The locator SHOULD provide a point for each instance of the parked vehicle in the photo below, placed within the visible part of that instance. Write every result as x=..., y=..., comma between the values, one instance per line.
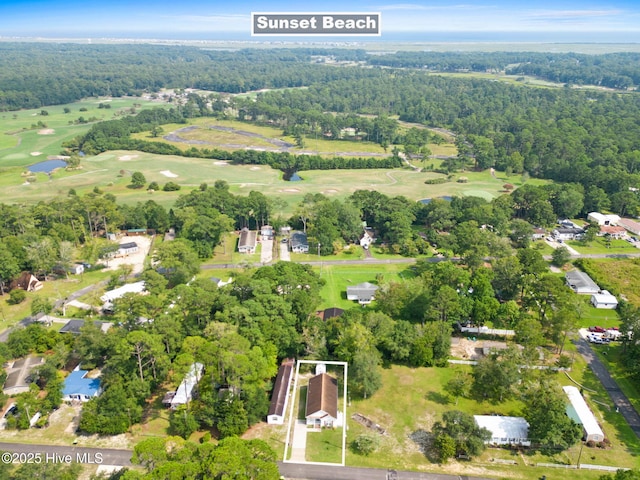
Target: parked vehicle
x=597, y=329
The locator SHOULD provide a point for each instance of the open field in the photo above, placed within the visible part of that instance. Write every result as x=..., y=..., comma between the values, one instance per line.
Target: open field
x=104, y=171
x=20, y=141
x=621, y=273
x=599, y=246
x=232, y=135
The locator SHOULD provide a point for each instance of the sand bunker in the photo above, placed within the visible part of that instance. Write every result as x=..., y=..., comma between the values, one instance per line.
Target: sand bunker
x=331, y=190
x=124, y=158
x=221, y=164
x=254, y=168
x=35, y=154
x=168, y=173
x=291, y=190
x=46, y=131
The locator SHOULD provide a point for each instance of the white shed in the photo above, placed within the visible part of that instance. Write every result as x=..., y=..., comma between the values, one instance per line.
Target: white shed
x=580, y=412
x=505, y=430
x=604, y=300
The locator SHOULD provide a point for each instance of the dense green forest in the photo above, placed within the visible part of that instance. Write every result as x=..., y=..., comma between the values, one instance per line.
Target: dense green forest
x=33, y=75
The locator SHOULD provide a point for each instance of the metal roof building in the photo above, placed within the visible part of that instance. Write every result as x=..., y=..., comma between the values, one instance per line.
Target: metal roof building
x=280, y=396
x=185, y=389
x=580, y=282
x=580, y=413
x=110, y=296
x=505, y=430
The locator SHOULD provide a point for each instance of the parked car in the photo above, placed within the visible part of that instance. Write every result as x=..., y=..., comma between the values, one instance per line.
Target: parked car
x=597, y=329
x=598, y=339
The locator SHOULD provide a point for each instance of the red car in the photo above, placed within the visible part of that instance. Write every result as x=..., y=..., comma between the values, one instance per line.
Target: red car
x=597, y=329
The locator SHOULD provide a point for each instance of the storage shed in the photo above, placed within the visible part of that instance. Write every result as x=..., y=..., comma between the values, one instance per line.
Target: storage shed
x=604, y=299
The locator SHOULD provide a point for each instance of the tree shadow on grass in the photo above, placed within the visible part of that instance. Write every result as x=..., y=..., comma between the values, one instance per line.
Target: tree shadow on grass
x=438, y=397
x=424, y=440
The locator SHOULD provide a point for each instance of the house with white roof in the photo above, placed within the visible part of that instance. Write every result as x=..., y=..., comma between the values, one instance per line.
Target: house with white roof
x=602, y=219
x=604, y=300
x=184, y=393
x=505, y=430
x=111, y=295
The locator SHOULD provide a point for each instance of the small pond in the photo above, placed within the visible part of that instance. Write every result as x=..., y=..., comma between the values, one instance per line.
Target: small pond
x=428, y=200
x=293, y=177
x=47, y=166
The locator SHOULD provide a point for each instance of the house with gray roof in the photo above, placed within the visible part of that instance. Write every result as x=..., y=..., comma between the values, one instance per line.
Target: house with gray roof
x=248, y=241
x=581, y=283
x=299, y=242
x=364, y=293
x=19, y=375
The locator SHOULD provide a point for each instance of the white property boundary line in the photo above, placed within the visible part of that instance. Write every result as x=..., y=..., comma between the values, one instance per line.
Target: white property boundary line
x=344, y=409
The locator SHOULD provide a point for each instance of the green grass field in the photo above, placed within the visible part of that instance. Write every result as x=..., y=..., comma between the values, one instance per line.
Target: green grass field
x=338, y=277
x=23, y=144
x=312, y=143
x=623, y=274
x=599, y=246
x=104, y=171
x=324, y=446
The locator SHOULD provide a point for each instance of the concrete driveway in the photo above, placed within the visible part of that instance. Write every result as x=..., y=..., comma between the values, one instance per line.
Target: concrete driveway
x=285, y=254
x=266, y=252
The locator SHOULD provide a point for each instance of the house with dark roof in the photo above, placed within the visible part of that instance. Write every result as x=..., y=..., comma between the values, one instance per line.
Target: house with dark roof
x=299, y=242
x=28, y=282
x=128, y=248
x=77, y=387
x=322, y=401
x=248, y=241
x=19, y=375
x=328, y=313
x=74, y=326
x=364, y=293
x=280, y=395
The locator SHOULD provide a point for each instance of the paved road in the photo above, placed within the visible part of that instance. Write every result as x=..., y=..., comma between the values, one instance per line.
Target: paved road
x=326, y=472
x=619, y=399
x=111, y=456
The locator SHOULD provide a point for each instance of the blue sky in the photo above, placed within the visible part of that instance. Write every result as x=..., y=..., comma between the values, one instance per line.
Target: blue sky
x=189, y=18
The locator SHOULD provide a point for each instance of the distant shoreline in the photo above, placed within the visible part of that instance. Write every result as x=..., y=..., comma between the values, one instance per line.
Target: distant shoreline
x=392, y=42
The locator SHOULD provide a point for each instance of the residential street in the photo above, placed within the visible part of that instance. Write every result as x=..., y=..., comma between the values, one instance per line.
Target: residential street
x=111, y=456
x=55, y=453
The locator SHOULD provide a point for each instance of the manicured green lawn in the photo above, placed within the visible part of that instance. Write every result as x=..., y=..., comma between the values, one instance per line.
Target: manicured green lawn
x=23, y=143
x=324, y=446
x=599, y=246
x=338, y=277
